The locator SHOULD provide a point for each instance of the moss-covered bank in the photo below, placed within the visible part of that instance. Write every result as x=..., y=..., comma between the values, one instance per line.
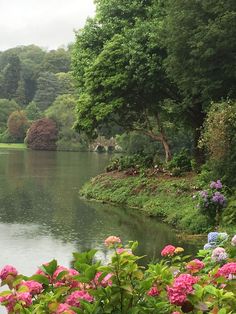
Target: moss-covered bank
x=163, y=196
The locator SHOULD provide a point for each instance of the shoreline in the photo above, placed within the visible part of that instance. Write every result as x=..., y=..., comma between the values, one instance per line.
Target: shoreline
x=168, y=198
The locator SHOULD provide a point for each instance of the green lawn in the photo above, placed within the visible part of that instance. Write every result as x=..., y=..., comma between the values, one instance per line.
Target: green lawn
x=13, y=146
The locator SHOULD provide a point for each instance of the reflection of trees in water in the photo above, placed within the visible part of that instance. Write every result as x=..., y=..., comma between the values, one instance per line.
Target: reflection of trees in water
x=42, y=188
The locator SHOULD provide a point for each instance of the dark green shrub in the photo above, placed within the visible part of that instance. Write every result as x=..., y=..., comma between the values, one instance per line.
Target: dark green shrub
x=219, y=139
x=126, y=162
x=180, y=162
x=5, y=137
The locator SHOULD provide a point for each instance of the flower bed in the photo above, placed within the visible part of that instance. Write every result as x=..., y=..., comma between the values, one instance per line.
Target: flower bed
x=176, y=284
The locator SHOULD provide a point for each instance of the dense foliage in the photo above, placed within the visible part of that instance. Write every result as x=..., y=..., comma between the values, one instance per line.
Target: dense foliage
x=42, y=135
x=17, y=125
x=219, y=139
x=31, y=79
x=150, y=65
x=176, y=284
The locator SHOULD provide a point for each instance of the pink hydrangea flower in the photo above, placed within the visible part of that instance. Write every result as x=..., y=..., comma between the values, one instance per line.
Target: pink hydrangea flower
x=168, y=250
x=175, y=312
x=195, y=265
x=106, y=281
x=121, y=250
x=75, y=297
x=228, y=271
x=219, y=254
x=153, y=292
x=64, y=308
x=33, y=286
x=24, y=298
x=70, y=272
x=8, y=270
x=112, y=240
x=182, y=286
x=9, y=301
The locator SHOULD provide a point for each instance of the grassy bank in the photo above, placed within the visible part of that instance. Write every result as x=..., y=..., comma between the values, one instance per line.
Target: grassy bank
x=166, y=197
x=161, y=195
x=13, y=145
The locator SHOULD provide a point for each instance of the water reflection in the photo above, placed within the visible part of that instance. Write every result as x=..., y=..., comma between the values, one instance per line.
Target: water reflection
x=42, y=216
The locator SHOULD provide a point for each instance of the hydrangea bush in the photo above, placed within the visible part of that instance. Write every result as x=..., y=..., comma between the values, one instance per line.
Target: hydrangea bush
x=176, y=284
x=212, y=201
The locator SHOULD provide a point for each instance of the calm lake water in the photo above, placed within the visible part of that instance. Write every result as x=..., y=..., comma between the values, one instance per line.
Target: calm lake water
x=42, y=216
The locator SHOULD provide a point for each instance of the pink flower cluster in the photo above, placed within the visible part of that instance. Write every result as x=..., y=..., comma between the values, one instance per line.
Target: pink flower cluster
x=106, y=281
x=33, y=287
x=219, y=254
x=153, y=292
x=195, y=265
x=121, y=250
x=8, y=270
x=10, y=300
x=228, y=271
x=182, y=286
x=64, y=308
x=66, y=278
x=168, y=250
x=112, y=240
x=75, y=297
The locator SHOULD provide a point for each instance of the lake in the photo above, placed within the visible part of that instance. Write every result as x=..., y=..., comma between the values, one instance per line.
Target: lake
x=42, y=216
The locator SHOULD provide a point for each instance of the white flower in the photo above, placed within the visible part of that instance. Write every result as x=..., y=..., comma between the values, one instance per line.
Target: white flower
x=233, y=241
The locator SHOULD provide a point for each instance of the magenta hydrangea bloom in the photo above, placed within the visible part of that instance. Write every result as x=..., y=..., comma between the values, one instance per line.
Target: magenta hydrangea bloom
x=33, y=286
x=8, y=270
x=153, y=292
x=9, y=301
x=75, y=297
x=228, y=271
x=168, y=250
x=106, y=281
x=64, y=308
x=182, y=286
x=24, y=298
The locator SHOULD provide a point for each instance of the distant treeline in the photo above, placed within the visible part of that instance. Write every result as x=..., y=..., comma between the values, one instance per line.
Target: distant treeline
x=34, y=84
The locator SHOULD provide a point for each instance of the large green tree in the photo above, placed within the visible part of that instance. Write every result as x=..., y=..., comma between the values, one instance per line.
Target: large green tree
x=11, y=77
x=63, y=113
x=200, y=40
x=47, y=90
x=56, y=61
x=124, y=80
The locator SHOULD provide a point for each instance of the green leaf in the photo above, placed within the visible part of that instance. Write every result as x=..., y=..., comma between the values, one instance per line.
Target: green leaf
x=40, y=278
x=50, y=268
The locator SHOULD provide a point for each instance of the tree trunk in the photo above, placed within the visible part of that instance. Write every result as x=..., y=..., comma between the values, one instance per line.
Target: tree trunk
x=166, y=148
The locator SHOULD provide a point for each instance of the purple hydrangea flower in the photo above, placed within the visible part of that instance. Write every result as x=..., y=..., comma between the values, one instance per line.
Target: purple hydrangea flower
x=218, y=198
x=216, y=185
x=204, y=194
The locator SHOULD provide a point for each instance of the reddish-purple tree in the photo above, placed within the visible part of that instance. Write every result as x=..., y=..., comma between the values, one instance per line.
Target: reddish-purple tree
x=42, y=135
